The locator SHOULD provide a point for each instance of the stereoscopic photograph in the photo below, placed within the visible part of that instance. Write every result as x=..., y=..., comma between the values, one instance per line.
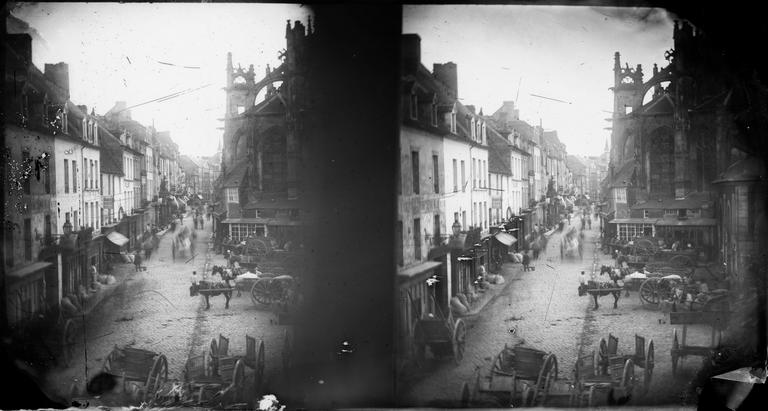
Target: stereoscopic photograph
x=266, y=206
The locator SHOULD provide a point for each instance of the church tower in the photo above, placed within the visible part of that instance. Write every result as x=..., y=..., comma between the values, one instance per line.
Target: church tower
x=627, y=97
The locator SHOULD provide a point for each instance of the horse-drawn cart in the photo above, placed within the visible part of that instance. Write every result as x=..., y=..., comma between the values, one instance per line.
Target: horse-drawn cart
x=618, y=378
x=272, y=290
x=643, y=357
x=145, y=371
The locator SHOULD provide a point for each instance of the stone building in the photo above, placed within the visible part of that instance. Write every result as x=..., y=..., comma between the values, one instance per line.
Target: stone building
x=260, y=188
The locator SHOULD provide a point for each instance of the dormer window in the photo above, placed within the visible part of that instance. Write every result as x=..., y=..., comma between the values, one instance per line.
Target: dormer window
x=64, y=122
x=85, y=129
x=483, y=133
x=414, y=106
x=95, y=133
x=453, y=121
x=472, y=128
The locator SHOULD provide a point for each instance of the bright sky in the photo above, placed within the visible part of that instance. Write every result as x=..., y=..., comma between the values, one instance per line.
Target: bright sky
x=114, y=53
x=560, y=52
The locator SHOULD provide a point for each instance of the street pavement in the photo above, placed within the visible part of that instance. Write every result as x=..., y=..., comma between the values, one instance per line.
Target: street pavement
x=152, y=310
x=542, y=308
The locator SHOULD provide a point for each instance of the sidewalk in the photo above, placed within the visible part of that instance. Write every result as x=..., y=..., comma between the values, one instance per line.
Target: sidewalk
x=507, y=271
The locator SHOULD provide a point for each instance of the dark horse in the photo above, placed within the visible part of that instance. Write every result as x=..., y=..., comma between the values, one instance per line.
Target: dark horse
x=598, y=289
x=214, y=288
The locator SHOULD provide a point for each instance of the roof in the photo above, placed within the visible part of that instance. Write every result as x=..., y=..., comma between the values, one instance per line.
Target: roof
x=662, y=104
x=111, y=153
x=407, y=274
x=633, y=221
x=274, y=204
x=574, y=164
x=280, y=221
x=687, y=222
x=234, y=177
x=274, y=104
x=189, y=165
x=691, y=202
x=748, y=169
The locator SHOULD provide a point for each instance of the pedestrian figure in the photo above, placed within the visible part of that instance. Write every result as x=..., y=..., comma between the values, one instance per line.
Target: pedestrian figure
x=589, y=223
x=137, y=260
x=526, y=261
x=174, y=245
x=581, y=251
x=536, y=249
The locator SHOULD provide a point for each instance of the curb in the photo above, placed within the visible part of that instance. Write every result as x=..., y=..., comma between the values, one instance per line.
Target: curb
x=498, y=291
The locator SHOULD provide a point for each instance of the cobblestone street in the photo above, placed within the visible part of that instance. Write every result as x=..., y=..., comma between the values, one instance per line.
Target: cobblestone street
x=152, y=310
x=542, y=307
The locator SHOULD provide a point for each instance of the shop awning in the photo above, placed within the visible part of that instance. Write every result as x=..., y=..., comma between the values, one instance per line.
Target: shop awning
x=28, y=270
x=689, y=222
x=633, y=221
x=408, y=273
x=117, y=238
x=506, y=239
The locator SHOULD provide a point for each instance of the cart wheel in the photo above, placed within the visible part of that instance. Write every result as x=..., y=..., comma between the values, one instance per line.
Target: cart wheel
x=258, y=375
x=602, y=357
x=286, y=351
x=459, y=339
x=645, y=247
x=675, y=351
x=238, y=376
x=528, y=396
x=213, y=357
x=649, y=362
x=465, y=395
x=628, y=378
x=649, y=292
x=156, y=378
x=68, y=342
x=261, y=292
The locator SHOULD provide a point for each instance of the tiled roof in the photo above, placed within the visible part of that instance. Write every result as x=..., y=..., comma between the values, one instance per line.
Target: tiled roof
x=111, y=152
x=660, y=105
x=690, y=202
x=499, y=153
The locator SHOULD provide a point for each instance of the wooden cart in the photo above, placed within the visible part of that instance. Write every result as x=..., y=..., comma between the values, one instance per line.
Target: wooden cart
x=643, y=357
x=209, y=387
x=136, y=366
x=273, y=290
x=218, y=354
x=444, y=337
x=518, y=376
x=717, y=320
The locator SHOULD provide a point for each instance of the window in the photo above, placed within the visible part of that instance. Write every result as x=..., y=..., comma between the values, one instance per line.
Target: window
x=98, y=215
x=414, y=106
x=25, y=162
x=90, y=176
x=474, y=214
x=417, y=239
x=474, y=173
x=463, y=177
x=27, y=239
x=66, y=176
x=436, y=173
x=415, y=171
x=74, y=176
x=455, y=177
x=669, y=212
x=453, y=121
x=64, y=122
x=455, y=217
x=399, y=242
x=463, y=220
x=471, y=126
x=436, y=228
x=101, y=184
x=85, y=129
x=232, y=196
x=646, y=214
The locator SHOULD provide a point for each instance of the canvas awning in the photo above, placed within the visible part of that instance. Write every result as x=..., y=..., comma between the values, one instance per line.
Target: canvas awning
x=409, y=273
x=690, y=222
x=117, y=238
x=28, y=270
x=506, y=239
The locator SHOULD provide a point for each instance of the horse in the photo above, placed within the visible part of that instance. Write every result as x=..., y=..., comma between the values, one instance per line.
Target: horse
x=597, y=289
x=214, y=288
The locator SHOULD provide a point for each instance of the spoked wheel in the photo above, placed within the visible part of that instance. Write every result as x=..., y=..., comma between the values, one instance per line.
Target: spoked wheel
x=542, y=391
x=675, y=351
x=465, y=395
x=645, y=247
x=213, y=356
x=68, y=342
x=528, y=396
x=156, y=378
x=648, y=369
x=262, y=292
x=287, y=351
x=258, y=375
x=459, y=339
x=628, y=379
x=238, y=378
x=602, y=357
x=649, y=292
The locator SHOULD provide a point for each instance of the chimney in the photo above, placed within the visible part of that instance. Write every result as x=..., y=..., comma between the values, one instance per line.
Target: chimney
x=411, y=46
x=447, y=74
x=58, y=74
x=21, y=44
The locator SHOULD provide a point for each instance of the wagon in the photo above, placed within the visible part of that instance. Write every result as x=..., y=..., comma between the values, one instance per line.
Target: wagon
x=643, y=357
x=137, y=366
x=210, y=387
x=445, y=337
x=716, y=320
x=218, y=356
x=518, y=376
